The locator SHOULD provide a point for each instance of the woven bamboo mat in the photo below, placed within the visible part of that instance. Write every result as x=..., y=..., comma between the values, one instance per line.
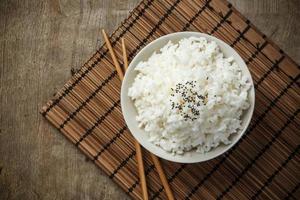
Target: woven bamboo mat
x=262, y=165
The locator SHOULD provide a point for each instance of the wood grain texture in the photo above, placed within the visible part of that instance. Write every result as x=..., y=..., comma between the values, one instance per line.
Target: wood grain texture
x=41, y=41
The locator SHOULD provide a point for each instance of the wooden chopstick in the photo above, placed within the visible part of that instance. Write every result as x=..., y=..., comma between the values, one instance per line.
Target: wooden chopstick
x=125, y=59
x=139, y=158
x=155, y=160
x=162, y=176
x=138, y=150
x=113, y=55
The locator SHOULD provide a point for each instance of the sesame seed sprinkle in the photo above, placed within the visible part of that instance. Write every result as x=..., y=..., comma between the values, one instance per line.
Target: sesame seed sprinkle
x=187, y=101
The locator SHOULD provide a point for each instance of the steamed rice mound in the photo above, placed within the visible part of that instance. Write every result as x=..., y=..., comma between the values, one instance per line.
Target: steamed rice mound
x=189, y=96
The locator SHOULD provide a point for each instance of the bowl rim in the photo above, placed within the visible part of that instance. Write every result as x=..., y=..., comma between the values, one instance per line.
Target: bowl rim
x=172, y=158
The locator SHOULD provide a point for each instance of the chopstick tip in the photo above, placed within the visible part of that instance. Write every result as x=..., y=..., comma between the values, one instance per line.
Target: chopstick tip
x=103, y=32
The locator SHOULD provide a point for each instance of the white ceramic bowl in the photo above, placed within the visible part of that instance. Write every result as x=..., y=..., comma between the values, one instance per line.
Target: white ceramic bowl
x=129, y=110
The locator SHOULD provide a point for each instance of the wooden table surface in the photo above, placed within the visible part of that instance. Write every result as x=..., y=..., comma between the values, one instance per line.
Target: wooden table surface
x=41, y=41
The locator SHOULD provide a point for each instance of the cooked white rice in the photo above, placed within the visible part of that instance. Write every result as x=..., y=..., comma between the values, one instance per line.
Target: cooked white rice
x=188, y=95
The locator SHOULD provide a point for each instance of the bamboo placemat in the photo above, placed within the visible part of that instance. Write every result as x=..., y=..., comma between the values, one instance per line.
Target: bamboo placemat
x=264, y=164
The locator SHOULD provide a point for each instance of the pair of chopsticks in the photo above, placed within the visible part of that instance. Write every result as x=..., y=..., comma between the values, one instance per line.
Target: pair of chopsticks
x=138, y=148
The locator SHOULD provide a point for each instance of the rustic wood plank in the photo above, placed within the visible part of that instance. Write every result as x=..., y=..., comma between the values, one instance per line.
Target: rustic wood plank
x=41, y=41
